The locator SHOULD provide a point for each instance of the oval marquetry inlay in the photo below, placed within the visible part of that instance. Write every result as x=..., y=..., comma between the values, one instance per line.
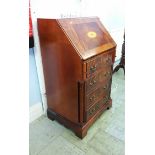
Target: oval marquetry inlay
x=91, y=34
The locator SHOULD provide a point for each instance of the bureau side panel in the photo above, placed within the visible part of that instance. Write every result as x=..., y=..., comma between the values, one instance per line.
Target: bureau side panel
x=62, y=69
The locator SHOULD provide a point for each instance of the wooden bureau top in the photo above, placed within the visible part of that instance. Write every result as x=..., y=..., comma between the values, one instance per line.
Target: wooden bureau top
x=87, y=35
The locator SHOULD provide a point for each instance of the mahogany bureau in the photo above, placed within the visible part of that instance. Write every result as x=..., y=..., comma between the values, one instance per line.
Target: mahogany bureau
x=77, y=56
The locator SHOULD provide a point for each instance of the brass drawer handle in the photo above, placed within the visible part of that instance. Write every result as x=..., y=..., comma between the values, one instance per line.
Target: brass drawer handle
x=93, y=98
x=108, y=60
x=105, y=87
x=93, y=110
x=105, y=99
x=92, y=83
x=107, y=73
x=98, y=105
x=93, y=68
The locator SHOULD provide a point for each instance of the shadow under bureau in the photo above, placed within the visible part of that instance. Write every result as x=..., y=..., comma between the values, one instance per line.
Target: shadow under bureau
x=77, y=56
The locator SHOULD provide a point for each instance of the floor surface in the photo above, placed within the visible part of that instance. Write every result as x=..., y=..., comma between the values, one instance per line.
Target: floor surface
x=104, y=137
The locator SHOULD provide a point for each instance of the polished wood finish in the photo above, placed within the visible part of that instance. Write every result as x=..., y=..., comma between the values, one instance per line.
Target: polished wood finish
x=77, y=56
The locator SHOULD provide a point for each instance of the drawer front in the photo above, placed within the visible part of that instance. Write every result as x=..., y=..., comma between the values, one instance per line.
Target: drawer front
x=98, y=63
x=98, y=79
x=94, y=109
x=95, y=96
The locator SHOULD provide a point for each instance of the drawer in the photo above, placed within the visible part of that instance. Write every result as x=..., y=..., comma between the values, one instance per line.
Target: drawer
x=98, y=79
x=95, y=108
x=95, y=96
x=98, y=63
